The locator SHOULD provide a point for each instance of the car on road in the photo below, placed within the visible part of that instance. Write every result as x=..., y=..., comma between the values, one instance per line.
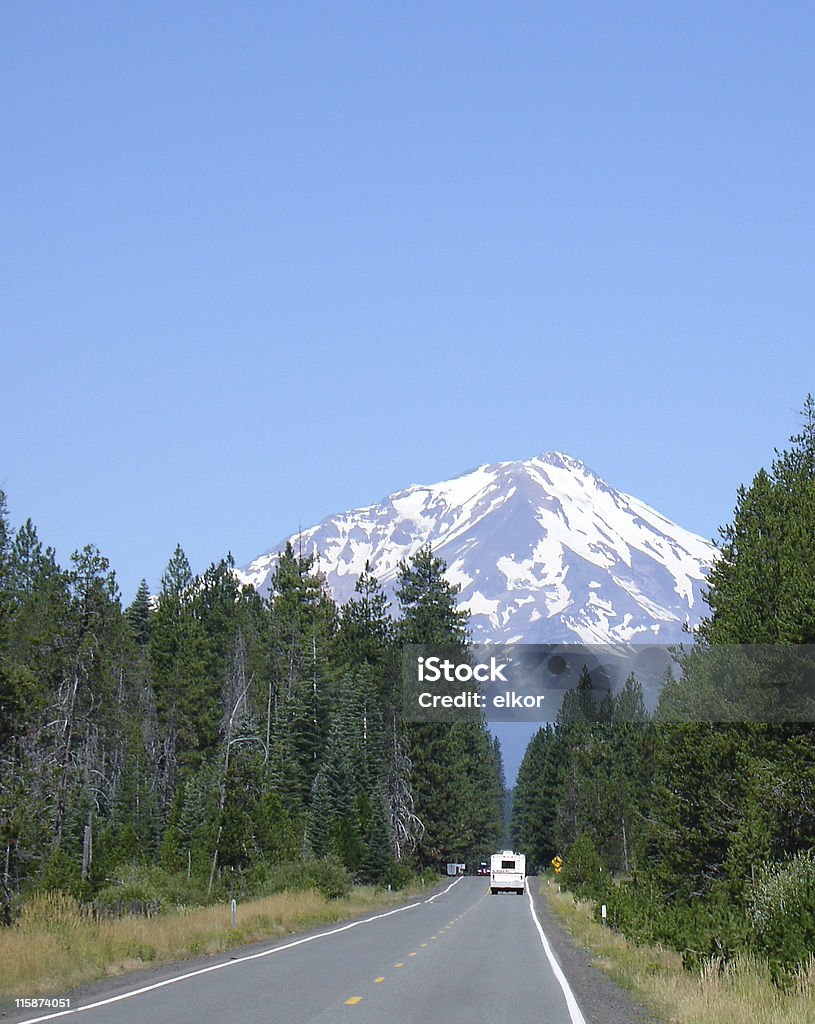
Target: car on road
x=483, y=868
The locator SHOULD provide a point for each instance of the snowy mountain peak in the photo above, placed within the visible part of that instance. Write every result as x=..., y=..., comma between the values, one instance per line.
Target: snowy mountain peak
x=544, y=551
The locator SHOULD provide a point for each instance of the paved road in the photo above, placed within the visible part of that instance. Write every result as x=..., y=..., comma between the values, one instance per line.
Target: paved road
x=460, y=957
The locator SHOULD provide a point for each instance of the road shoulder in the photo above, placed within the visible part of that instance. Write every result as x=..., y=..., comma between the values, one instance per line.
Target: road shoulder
x=151, y=974
x=601, y=1000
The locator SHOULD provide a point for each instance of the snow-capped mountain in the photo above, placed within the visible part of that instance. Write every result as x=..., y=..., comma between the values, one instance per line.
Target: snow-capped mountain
x=544, y=550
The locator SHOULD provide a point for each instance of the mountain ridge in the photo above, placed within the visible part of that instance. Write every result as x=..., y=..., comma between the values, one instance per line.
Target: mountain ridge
x=544, y=551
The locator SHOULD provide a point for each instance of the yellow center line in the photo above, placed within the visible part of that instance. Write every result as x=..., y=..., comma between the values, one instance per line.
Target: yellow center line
x=411, y=954
x=353, y=1000
x=378, y=981
x=400, y=964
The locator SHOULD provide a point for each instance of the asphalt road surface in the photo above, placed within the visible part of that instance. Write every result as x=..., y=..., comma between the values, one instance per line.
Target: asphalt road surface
x=461, y=956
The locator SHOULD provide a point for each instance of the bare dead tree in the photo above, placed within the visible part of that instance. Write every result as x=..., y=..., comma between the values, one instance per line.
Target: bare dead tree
x=236, y=690
x=67, y=708
x=407, y=828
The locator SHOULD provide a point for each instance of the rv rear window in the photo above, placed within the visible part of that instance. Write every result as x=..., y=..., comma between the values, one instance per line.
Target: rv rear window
x=508, y=864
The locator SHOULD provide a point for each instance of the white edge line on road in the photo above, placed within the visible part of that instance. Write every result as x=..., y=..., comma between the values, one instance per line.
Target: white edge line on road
x=449, y=887
x=571, y=1002
x=218, y=967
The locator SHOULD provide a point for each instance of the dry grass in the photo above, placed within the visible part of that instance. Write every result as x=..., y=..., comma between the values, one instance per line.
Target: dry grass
x=740, y=992
x=54, y=949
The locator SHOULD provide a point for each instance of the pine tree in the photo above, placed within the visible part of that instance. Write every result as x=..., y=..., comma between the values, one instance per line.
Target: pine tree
x=8, y=707
x=377, y=860
x=274, y=829
x=482, y=794
x=195, y=833
x=332, y=814
x=366, y=631
x=302, y=626
x=35, y=661
x=88, y=693
x=454, y=776
x=762, y=587
x=39, y=602
x=711, y=778
x=631, y=737
x=187, y=709
x=428, y=603
x=138, y=615
x=534, y=803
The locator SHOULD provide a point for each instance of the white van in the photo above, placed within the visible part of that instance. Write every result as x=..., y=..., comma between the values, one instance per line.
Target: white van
x=507, y=872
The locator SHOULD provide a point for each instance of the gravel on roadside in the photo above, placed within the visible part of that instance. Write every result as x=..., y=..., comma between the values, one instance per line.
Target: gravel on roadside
x=600, y=999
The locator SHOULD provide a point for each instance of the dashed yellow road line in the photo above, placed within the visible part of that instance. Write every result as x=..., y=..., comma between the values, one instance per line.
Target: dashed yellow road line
x=400, y=964
x=423, y=945
x=378, y=981
x=411, y=954
x=353, y=1000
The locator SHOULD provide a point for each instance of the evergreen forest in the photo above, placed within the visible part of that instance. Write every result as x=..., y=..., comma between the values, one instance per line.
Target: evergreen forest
x=697, y=830
x=223, y=742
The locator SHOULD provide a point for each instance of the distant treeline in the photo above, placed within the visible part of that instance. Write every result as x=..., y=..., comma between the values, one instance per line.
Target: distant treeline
x=709, y=824
x=218, y=736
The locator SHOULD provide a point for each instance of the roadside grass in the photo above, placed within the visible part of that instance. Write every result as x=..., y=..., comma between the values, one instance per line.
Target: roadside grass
x=740, y=992
x=54, y=949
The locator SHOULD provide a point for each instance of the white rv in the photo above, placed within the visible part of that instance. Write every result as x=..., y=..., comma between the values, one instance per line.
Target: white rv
x=507, y=872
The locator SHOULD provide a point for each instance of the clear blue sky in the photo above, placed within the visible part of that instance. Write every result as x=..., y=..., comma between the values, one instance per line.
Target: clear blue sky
x=263, y=262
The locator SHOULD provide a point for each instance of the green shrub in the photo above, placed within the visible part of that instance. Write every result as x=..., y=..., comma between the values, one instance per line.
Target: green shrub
x=399, y=876
x=782, y=911
x=328, y=875
x=699, y=928
x=583, y=870
x=631, y=909
x=134, y=882
x=61, y=873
